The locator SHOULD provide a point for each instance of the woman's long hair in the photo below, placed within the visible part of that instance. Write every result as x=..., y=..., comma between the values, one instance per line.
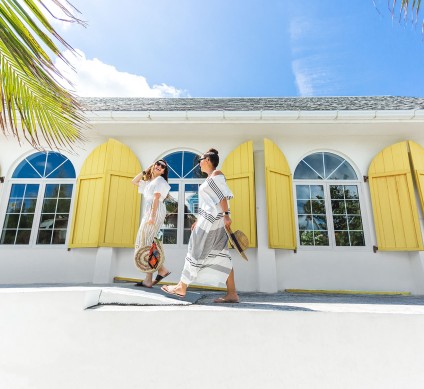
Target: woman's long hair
x=149, y=171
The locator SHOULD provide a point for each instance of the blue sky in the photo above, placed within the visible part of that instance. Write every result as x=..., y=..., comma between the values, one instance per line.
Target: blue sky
x=245, y=48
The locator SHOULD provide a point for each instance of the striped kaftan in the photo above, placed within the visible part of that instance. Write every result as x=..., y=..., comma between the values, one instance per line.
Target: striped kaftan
x=147, y=232
x=208, y=259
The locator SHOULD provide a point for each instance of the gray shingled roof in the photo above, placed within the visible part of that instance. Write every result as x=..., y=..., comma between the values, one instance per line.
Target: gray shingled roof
x=355, y=103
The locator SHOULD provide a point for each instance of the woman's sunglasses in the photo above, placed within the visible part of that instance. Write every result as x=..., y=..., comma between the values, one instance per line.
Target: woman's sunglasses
x=161, y=164
x=201, y=159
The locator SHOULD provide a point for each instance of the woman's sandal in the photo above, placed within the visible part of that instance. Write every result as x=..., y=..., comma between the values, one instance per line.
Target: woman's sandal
x=166, y=289
x=159, y=278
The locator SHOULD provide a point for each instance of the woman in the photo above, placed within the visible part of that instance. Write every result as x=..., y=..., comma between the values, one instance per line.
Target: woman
x=153, y=183
x=208, y=259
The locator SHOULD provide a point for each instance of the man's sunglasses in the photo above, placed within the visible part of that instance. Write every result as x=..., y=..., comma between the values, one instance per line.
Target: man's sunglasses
x=161, y=164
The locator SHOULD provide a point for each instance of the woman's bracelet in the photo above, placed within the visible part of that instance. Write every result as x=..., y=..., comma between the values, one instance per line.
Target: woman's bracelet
x=227, y=213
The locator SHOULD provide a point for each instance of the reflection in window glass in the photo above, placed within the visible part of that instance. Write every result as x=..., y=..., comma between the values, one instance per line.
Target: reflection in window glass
x=53, y=201
x=170, y=225
x=182, y=203
x=324, y=166
x=347, y=220
x=317, y=204
x=19, y=214
x=191, y=206
x=55, y=214
x=312, y=219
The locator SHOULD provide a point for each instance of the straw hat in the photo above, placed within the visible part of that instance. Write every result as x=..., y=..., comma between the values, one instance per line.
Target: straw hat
x=149, y=258
x=239, y=241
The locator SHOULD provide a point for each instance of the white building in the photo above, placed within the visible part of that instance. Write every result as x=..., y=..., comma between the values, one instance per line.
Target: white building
x=329, y=191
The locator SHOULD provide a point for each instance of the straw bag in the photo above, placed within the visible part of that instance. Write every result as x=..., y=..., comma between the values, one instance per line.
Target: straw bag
x=150, y=258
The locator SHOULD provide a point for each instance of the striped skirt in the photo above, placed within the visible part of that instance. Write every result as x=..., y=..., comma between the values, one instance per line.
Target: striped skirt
x=208, y=259
x=147, y=232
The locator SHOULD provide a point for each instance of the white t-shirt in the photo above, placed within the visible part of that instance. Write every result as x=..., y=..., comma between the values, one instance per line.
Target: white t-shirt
x=157, y=185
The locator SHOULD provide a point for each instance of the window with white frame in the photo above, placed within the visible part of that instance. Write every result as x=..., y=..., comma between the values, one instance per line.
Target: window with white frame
x=328, y=202
x=39, y=202
x=182, y=203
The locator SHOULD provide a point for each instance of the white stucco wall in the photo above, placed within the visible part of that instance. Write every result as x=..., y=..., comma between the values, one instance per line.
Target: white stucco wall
x=267, y=270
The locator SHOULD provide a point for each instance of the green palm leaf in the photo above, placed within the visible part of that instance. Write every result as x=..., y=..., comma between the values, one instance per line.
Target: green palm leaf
x=34, y=106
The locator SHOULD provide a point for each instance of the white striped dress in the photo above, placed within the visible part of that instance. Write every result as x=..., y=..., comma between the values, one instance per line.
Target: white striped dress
x=147, y=232
x=208, y=259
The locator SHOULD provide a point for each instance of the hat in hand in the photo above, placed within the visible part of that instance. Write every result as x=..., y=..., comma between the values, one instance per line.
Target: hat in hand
x=239, y=241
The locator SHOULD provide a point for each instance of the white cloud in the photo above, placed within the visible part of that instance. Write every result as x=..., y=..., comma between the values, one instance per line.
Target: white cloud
x=93, y=78
x=315, y=57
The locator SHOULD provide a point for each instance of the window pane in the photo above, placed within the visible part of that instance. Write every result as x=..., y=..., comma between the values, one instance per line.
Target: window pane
x=320, y=222
x=338, y=207
x=59, y=237
x=305, y=222
x=304, y=172
x=351, y=192
x=47, y=221
x=63, y=205
x=337, y=191
x=22, y=237
x=318, y=207
x=357, y=238
x=20, y=213
x=316, y=162
x=26, y=220
x=342, y=238
x=302, y=192
x=175, y=164
x=321, y=238
x=53, y=161
x=304, y=206
x=355, y=223
x=171, y=220
x=52, y=191
x=317, y=192
x=38, y=161
x=14, y=205
x=64, y=171
x=340, y=222
x=190, y=163
x=61, y=221
x=44, y=236
x=332, y=162
x=29, y=205
x=8, y=237
x=352, y=207
x=306, y=238
x=170, y=236
x=31, y=191
x=189, y=220
x=344, y=172
x=17, y=190
x=11, y=220
x=65, y=190
x=49, y=206
x=171, y=202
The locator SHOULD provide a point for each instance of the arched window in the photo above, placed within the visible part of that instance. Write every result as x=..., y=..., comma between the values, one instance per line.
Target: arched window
x=185, y=178
x=39, y=202
x=328, y=202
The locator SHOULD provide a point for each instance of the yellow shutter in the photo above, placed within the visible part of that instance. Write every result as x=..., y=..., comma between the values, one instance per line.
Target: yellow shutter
x=393, y=200
x=279, y=196
x=239, y=171
x=417, y=159
x=107, y=205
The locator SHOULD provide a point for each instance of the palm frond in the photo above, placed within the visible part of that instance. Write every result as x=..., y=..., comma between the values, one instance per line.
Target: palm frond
x=33, y=102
